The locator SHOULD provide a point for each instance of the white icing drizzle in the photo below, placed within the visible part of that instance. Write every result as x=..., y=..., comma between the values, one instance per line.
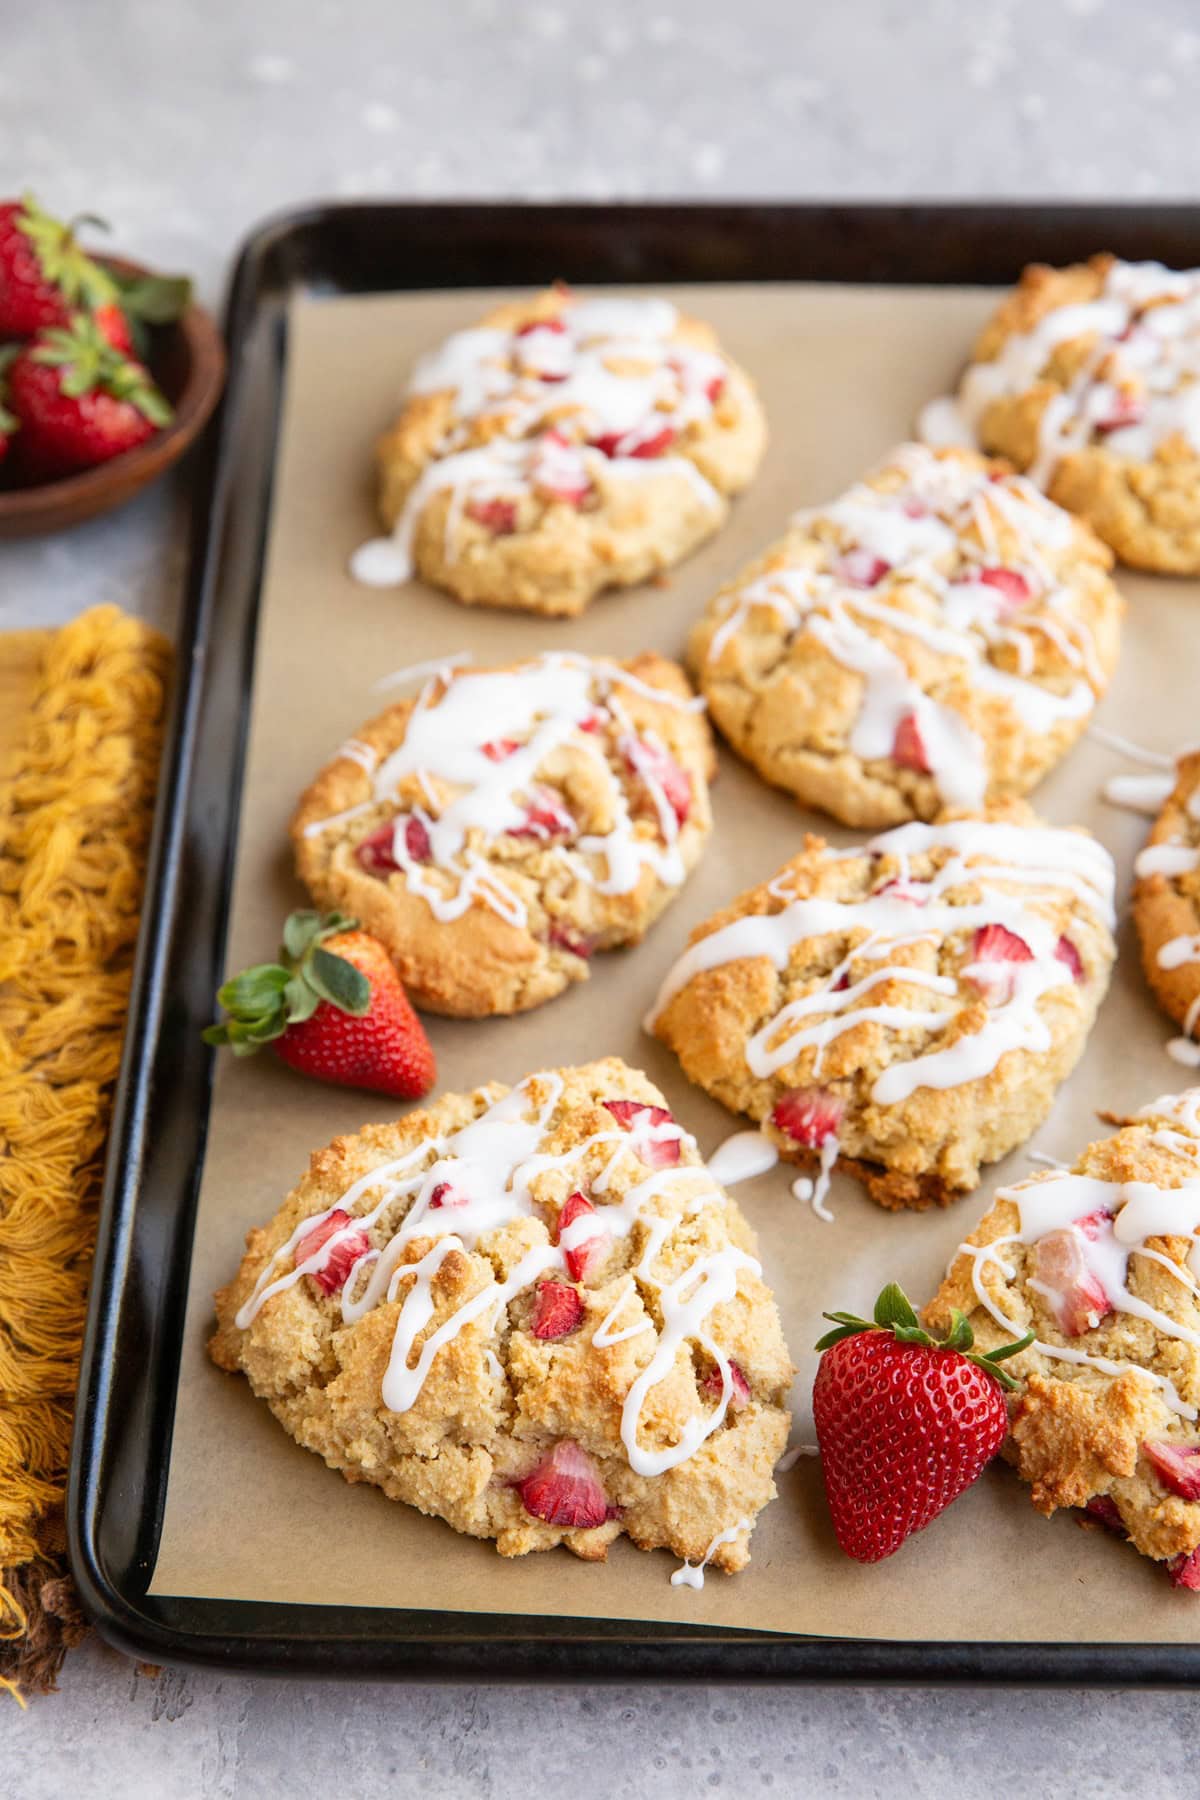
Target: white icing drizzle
x=522, y=716
x=434, y=665
x=1042, y=860
x=791, y=1457
x=1146, y=794
x=595, y=397
x=1055, y=1202
x=490, y=1166
x=692, y=1574
x=917, y=532
x=742, y=1157
x=813, y=1189
x=1139, y=383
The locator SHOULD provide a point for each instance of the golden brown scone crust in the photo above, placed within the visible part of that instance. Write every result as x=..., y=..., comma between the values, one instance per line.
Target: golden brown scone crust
x=481, y=963
x=778, y=691
x=1147, y=510
x=925, y=1150
x=1166, y=907
x=554, y=555
x=497, y=1397
x=1077, y=1432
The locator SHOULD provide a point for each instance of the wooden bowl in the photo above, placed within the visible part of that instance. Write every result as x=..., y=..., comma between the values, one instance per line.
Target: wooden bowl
x=187, y=360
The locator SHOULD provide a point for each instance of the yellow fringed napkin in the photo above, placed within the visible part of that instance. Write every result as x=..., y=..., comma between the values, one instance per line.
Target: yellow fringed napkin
x=76, y=804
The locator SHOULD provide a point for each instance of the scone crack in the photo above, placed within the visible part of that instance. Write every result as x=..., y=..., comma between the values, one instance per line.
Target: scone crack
x=564, y=800
x=546, y=1277
x=1102, y=1262
x=941, y=628
x=909, y=1005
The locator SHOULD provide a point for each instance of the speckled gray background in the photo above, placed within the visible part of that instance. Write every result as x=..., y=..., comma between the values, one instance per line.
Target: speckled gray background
x=184, y=124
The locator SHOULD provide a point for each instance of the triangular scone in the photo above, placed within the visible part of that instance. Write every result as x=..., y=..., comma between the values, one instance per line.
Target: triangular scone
x=1100, y=1262
x=1166, y=906
x=529, y=1311
x=506, y=824
x=907, y=1008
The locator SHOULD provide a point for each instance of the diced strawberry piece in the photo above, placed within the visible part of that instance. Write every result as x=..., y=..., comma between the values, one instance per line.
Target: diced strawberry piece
x=496, y=516
x=416, y=840
x=443, y=1195
x=1080, y=1302
x=615, y=443
x=916, y=893
x=861, y=568
x=712, y=1387
x=810, y=1116
x=1093, y=1223
x=1177, y=1466
x=996, y=943
x=656, y=765
x=341, y=1259
x=1066, y=952
x=593, y=722
x=566, y=939
x=581, y=1257
x=545, y=817
x=636, y=1116
x=499, y=749
x=915, y=509
x=908, y=746
x=715, y=388
x=1104, y=1508
x=558, y=471
x=1126, y=409
x=565, y=1489
x=1011, y=586
x=557, y=1310
x=842, y=982
x=377, y=853
x=1184, y=1570
x=540, y=325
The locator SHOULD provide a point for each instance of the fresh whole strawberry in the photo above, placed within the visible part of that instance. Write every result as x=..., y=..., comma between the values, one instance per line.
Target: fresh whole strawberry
x=905, y=1422
x=333, y=1007
x=45, y=278
x=79, y=401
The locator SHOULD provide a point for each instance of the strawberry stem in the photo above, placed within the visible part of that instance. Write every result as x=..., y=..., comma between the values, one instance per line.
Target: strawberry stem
x=261, y=1002
x=895, y=1312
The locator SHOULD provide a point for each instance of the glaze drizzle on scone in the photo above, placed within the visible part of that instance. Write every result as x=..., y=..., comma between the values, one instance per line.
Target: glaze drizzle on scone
x=1101, y=1262
x=939, y=635
x=1166, y=907
x=1088, y=377
x=506, y=824
x=563, y=446
x=906, y=1009
x=529, y=1311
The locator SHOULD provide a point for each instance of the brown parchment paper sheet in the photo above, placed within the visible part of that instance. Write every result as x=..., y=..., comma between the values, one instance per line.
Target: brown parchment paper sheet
x=250, y=1515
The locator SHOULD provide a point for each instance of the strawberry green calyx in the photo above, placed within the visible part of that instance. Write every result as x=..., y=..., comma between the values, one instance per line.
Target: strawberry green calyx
x=90, y=364
x=264, y=1000
x=894, y=1313
x=9, y=421
x=81, y=281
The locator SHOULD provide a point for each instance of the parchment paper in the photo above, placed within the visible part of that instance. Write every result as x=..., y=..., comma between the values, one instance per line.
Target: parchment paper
x=249, y=1514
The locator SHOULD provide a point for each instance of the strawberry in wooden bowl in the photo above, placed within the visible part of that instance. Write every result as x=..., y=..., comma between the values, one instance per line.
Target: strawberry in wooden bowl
x=107, y=374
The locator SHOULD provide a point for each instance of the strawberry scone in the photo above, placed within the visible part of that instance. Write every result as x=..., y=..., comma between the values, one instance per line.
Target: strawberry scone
x=1101, y=1263
x=938, y=635
x=905, y=1010
x=504, y=825
x=562, y=446
x=1088, y=378
x=1166, y=907
x=530, y=1312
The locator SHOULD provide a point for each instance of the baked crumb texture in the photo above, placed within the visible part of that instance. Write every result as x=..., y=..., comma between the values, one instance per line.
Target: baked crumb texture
x=1100, y=1263
x=1088, y=378
x=562, y=446
x=1166, y=908
x=529, y=1312
x=938, y=635
x=906, y=1009
x=502, y=827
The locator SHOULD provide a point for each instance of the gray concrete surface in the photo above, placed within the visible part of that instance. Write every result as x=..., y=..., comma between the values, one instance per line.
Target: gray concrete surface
x=186, y=122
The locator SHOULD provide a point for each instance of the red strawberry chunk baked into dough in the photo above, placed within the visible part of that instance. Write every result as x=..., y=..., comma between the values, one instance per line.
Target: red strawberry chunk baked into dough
x=507, y=824
x=938, y=635
x=1100, y=1263
x=575, y=1343
x=904, y=1010
x=562, y=446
